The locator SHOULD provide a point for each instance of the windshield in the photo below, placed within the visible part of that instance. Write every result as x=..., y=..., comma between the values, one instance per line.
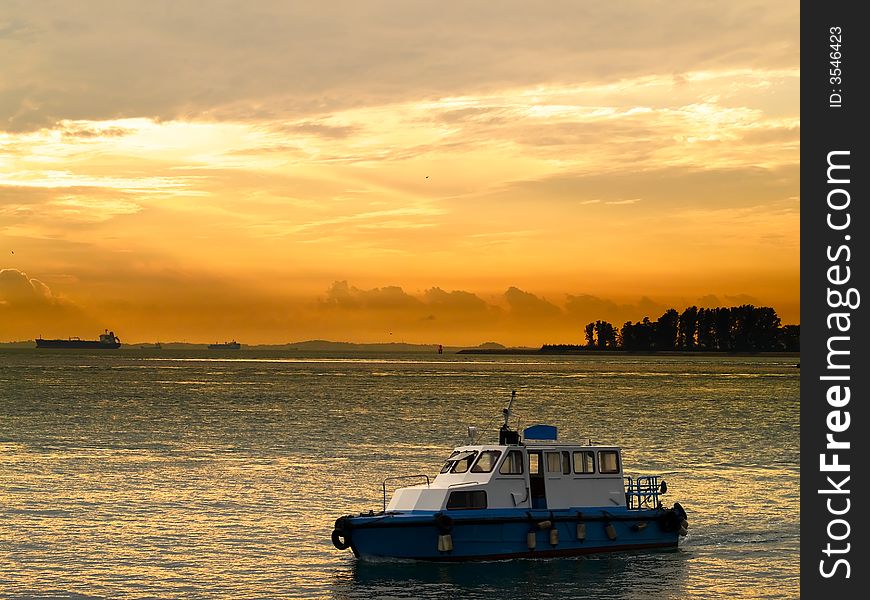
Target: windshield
x=459, y=462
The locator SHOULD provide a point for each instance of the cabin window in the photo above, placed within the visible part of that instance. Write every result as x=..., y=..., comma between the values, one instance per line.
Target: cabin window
x=554, y=462
x=463, y=462
x=466, y=500
x=535, y=466
x=513, y=463
x=449, y=462
x=486, y=462
x=566, y=463
x=584, y=462
x=608, y=461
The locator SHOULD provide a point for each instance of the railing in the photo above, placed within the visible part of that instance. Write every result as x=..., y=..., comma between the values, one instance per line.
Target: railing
x=397, y=477
x=644, y=491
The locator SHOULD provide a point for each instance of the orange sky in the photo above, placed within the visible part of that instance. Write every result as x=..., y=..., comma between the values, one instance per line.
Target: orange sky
x=389, y=171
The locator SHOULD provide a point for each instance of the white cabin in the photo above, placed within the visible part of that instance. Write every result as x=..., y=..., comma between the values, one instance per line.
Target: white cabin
x=541, y=475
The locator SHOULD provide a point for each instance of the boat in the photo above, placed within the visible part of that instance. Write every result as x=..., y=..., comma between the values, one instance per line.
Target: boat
x=525, y=497
x=234, y=345
x=156, y=346
x=107, y=341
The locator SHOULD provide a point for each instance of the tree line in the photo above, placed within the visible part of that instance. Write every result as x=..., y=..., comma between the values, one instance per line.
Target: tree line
x=745, y=328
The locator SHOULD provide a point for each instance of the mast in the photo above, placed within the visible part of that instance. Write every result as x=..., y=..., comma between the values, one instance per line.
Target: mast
x=507, y=411
x=506, y=435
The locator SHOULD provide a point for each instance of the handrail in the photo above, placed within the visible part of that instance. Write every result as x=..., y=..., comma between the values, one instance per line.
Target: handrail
x=643, y=491
x=395, y=477
x=452, y=485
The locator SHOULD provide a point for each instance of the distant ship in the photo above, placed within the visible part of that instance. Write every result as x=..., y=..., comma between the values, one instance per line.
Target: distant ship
x=157, y=346
x=107, y=341
x=234, y=345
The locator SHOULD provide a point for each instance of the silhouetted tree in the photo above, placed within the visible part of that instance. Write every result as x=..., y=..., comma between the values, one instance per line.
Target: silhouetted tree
x=666, y=330
x=590, y=334
x=687, y=328
x=722, y=329
x=744, y=328
x=706, y=337
x=603, y=334
x=627, y=336
x=790, y=338
x=765, y=335
x=742, y=319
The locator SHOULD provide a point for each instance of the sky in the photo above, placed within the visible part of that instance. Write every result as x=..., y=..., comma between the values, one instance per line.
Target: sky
x=392, y=170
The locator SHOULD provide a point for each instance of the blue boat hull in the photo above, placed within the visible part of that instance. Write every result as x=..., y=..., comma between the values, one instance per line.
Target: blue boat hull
x=493, y=534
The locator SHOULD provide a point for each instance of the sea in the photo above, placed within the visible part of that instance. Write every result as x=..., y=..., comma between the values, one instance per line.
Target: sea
x=219, y=474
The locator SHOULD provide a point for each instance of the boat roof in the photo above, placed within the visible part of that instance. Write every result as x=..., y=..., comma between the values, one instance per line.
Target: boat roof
x=535, y=445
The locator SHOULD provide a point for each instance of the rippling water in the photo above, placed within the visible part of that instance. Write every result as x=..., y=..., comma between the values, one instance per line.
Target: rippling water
x=143, y=474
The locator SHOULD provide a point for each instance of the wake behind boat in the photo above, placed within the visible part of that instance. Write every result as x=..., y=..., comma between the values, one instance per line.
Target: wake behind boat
x=530, y=497
x=108, y=340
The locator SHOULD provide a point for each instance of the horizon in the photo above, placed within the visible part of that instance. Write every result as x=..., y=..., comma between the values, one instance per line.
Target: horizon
x=366, y=172
x=384, y=342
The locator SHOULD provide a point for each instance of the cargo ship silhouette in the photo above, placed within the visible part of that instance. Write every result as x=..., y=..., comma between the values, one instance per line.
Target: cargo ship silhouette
x=234, y=345
x=107, y=341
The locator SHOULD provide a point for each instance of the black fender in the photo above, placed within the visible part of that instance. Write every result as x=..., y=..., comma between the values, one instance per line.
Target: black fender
x=444, y=523
x=341, y=533
x=669, y=521
x=340, y=539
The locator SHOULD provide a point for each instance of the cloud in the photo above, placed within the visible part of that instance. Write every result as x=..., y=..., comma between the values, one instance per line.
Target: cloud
x=15, y=29
x=484, y=148
x=433, y=303
x=740, y=299
x=279, y=59
x=83, y=131
x=455, y=300
x=661, y=189
x=527, y=305
x=150, y=304
x=28, y=307
x=585, y=308
x=344, y=296
x=64, y=208
x=709, y=301
x=318, y=129
x=650, y=308
x=17, y=289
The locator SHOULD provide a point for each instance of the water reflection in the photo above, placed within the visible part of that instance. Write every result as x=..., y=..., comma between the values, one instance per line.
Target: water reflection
x=119, y=481
x=660, y=574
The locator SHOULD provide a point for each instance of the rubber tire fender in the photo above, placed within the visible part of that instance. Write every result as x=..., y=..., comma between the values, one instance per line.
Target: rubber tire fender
x=340, y=539
x=444, y=523
x=670, y=521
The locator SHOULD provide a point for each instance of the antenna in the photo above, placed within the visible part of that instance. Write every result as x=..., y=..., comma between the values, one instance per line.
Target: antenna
x=472, y=434
x=507, y=436
x=507, y=411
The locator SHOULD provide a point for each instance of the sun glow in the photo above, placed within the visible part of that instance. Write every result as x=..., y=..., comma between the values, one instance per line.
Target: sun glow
x=673, y=183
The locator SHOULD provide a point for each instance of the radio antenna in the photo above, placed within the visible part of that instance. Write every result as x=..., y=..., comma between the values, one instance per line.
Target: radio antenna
x=507, y=411
x=507, y=436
